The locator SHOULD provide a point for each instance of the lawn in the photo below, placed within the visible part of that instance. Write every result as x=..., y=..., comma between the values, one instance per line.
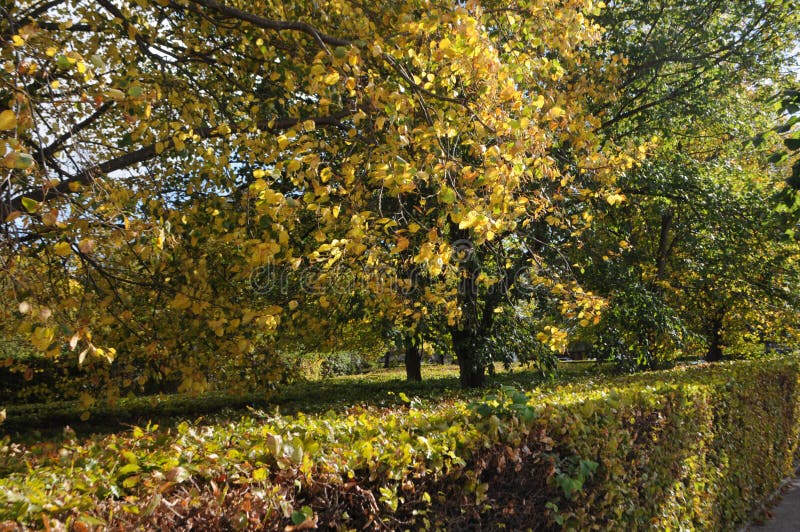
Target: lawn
x=380, y=387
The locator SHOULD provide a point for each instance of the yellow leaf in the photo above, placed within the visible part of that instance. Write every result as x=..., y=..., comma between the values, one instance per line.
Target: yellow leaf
x=30, y=205
x=18, y=41
x=445, y=44
x=180, y=302
x=115, y=94
x=332, y=78
x=42, y=337
x=62, y=249
x=309, y=125
x=260, y=474
x=8, y=120
x=273, y=310
x=402, y=244
x=614, y=199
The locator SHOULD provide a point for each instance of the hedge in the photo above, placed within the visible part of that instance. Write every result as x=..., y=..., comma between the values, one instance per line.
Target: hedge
x=692, y=448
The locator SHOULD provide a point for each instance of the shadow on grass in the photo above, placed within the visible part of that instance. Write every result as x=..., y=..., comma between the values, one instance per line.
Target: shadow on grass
x=381, y=389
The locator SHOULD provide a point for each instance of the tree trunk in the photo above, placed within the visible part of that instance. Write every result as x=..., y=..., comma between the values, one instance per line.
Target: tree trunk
x=714, y=353
x=663, y=244
x=472, y=370
x=413, y=350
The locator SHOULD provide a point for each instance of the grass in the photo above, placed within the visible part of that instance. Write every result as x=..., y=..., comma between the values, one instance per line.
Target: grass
x=381, y=388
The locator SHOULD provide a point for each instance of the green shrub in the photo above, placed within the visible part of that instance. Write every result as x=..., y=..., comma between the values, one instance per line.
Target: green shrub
x=344, y=363
x=692, y=448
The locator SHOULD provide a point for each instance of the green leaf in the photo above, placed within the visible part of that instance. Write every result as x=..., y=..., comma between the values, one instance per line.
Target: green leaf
x=63, y=62
x=447, y=195
x=298, y=517
x=776, y=157
x=127, y=469
x=91, y=520
x=130, y=481
x=24, y=161
x=30, y=205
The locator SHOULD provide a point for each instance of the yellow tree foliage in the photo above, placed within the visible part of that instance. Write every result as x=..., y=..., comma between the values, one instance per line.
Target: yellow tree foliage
x=158, y=156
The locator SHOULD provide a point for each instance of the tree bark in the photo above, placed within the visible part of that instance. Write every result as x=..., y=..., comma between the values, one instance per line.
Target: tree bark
x=413, y=362
x=472, y=370
x=663, y=244
x=714, y=353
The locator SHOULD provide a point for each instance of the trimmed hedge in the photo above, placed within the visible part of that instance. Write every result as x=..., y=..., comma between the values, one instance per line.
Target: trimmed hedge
x=693, y=448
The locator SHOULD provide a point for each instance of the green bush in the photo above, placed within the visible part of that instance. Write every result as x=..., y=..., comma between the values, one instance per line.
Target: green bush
x=692, y=448
x=344, y=363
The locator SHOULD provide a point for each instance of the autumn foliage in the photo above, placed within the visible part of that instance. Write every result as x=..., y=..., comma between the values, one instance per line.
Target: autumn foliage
x=443, y=161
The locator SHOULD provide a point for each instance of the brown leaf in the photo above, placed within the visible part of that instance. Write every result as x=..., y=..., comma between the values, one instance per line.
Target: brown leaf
x=308, y=524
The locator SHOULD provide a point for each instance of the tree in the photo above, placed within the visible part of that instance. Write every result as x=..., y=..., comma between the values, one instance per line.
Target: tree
x=159, y=154
x=687, y=66
x=679, y=55
x=698, y=254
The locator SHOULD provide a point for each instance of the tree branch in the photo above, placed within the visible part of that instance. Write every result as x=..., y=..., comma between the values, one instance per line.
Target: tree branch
x=147, y=153
x=77, y=128
x=269, y=24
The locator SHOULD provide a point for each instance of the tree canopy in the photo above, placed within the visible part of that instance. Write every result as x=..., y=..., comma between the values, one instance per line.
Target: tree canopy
x=437, y=158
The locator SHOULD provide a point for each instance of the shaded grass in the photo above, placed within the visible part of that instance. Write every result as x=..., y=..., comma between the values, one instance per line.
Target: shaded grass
x=381, y=388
